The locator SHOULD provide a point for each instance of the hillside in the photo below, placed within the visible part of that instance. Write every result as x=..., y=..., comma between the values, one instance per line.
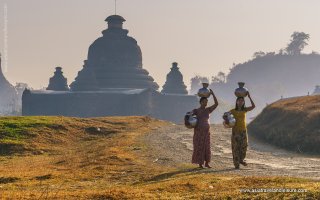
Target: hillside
x=271, y=76
x=114, y=158
x=290, y=123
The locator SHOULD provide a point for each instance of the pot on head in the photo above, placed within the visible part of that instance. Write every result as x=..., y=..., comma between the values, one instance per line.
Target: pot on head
x=241, y=91
x=204, y=92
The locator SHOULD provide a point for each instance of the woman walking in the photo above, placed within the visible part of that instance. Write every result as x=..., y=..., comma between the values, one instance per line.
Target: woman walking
x=201, y=138
x=239, y=138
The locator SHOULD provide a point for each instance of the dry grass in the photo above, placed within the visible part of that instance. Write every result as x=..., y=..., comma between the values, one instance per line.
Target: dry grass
x=103, y=158
x=309, y=104
x=291, y=123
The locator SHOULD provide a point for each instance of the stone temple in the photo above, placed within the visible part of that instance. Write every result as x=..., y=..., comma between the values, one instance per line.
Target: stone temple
x=112, y=82
x=8, y=95
x=174, y=83
x=58, y=82
x=114, y=61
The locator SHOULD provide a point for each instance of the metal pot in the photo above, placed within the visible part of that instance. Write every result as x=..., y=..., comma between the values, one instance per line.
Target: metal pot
x=229, y=120
x=204, y=92
x=190, y=120
x=241, y=91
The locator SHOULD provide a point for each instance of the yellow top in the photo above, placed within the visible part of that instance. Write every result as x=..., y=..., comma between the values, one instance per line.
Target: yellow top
x=240, y=117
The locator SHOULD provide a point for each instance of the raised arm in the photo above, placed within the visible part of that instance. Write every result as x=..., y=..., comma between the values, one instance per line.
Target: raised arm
x=215, y=105
x=252, y=103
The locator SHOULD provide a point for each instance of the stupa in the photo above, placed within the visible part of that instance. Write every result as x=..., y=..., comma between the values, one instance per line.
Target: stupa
x=112, y=82
x=114, y=61
x=58, y=82
x=174, y=83
x=8, y=95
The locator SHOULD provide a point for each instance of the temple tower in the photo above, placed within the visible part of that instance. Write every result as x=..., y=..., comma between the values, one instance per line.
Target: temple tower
x=58, y=82
x=114, y=61
x=8, y=95
x=174, y=83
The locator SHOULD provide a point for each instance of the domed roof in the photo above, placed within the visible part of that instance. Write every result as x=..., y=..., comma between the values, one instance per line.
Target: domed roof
x=114, y=61
x=115, y=18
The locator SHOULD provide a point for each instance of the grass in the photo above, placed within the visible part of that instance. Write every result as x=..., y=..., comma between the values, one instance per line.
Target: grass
x=105, y=158
x=291, y=123
x=19, y=128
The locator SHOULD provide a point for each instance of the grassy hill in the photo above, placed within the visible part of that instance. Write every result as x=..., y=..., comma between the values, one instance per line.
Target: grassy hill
x=106, y=158
x=290, y=123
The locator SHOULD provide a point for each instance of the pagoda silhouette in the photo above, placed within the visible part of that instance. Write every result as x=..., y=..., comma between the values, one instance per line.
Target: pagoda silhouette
x=112, y=82
x=8, y=95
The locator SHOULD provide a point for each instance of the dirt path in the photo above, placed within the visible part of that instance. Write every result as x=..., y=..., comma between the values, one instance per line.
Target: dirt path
x=172, y=146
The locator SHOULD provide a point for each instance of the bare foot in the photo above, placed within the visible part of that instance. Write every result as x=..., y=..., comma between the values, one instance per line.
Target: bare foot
x=207, y=165
x=243, y=163
x=200, y=166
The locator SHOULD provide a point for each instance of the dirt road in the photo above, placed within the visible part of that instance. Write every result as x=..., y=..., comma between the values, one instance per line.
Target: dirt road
x=172, y=145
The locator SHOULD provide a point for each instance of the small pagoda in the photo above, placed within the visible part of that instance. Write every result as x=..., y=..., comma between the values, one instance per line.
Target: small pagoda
x=174, y=83
x=58, y=82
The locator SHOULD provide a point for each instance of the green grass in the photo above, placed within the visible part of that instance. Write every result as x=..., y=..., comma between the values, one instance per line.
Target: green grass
x=16, y=129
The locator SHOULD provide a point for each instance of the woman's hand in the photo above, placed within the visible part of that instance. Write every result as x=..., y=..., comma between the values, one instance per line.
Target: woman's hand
x=214, y=106
x=252, y=103
x=211, y=92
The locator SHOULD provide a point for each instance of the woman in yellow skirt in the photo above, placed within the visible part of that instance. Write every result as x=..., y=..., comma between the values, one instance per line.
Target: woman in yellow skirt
x=239, y=138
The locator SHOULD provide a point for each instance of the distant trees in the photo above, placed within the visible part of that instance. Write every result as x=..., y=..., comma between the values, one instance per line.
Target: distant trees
x=297, y=43
x=196, y=83
x=220, y=78
x=258, y=54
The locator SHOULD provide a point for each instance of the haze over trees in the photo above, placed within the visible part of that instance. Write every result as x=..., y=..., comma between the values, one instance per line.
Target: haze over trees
x=196, y=83
x=270, y=76
x=297, y=44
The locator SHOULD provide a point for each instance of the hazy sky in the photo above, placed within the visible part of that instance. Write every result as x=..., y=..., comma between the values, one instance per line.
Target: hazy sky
x=203, y=36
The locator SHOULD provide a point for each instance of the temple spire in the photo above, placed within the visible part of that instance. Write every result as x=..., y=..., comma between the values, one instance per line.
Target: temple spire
x=174, y=83
x=115, y=21
x=1, y=74
x=58, y=82
x=8, y=94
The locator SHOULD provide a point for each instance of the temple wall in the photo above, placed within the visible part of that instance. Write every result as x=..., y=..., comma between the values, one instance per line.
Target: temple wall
x=85, y=104
x=173, y=107
x=77, y=104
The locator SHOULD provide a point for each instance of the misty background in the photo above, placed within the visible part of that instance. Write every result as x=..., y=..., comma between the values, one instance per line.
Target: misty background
x=204, y=37
x=220, y=42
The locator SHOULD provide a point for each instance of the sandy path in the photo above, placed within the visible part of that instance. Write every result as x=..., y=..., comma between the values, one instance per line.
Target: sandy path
x=172, y=146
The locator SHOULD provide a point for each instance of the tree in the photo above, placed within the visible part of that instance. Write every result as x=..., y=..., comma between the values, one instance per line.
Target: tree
x=297, y=43
x=282, y=52
x=220, y=78
x=196, y=83
x=259, y=54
